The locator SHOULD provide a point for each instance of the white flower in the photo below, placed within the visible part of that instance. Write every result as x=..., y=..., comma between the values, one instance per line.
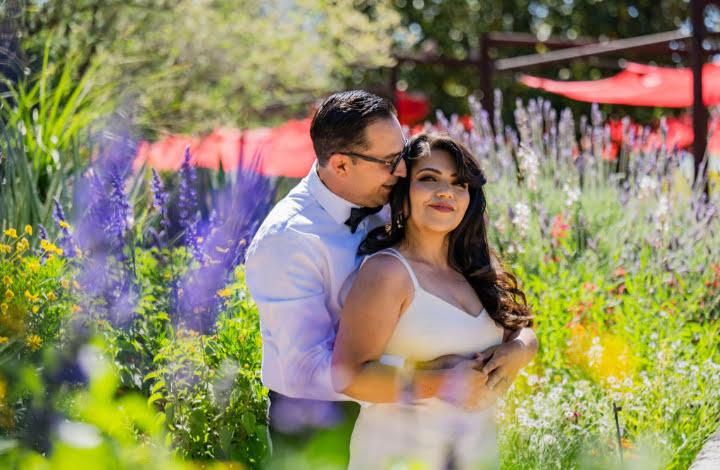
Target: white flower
x=661, y=213
x=594, y=354
x=572, y=195
x=521, y=217
x=548, y=439
x=528, y=162
x=648, y=185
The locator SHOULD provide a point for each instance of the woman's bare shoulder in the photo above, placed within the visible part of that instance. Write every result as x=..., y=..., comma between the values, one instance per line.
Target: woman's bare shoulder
x=388, y=272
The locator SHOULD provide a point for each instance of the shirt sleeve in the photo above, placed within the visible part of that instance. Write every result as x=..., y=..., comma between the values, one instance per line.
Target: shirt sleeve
x=285, y=278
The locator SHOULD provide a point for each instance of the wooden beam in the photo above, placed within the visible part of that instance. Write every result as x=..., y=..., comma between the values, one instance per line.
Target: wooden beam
x=619, y=45
x=527, y=39
x=435, y=59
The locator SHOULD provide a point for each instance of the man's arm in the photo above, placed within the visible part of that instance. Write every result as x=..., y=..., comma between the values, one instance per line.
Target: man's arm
x=285, y=280
x=524, y=338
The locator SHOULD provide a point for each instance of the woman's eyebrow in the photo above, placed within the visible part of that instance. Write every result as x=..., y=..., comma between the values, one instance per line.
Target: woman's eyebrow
x=435, y=171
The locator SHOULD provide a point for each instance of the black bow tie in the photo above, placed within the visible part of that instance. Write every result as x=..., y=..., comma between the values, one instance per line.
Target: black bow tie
x=357, y=214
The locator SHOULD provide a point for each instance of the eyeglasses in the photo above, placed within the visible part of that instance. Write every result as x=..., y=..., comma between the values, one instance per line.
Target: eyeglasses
x=391, y=164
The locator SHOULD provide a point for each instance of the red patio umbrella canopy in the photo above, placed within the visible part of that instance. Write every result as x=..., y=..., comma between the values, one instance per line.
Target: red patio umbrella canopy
x=282, y=151
x=411, y=107
x=638, y=85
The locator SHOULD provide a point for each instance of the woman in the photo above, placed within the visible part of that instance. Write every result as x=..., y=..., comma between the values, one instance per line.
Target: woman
x=429, y=287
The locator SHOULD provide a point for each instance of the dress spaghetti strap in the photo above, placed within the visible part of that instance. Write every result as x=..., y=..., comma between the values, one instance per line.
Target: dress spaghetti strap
x=396, y=254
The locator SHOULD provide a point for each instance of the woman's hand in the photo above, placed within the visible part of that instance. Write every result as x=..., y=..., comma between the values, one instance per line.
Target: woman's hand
x=502, y=363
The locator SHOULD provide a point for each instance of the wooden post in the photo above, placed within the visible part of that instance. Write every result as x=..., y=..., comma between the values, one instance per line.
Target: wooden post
x=393, y=82
x=699, y=112
x=485, y=68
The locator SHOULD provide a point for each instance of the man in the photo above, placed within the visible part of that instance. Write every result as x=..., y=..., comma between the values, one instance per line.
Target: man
x=307, y=247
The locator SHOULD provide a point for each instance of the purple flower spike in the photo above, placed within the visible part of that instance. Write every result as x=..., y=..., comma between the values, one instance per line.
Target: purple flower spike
x=42, y=233
x=239, y=209
x=187, y=202
x=160, y=202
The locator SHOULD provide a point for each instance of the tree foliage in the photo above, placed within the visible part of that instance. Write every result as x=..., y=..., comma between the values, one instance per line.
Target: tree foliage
x=453, y=29
x=190, y=65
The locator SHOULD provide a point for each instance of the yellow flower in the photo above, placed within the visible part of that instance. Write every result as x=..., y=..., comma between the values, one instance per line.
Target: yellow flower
x=64, y=224
x=7, y=280
x=11, y=232
x=33, y=266
x=9, y=294
x=50, y=247
x=5, y=248
x=31, y=297
x=224, y=292
x=75, y=308
x=33, y=342
x=4, y=307
x=65, y=284
x=4, y=339
x=28, y=230
x=51, y=296
x=35, y=309
x=22, y=245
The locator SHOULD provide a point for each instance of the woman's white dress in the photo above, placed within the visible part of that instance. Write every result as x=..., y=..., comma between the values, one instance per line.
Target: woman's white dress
x=431, y=432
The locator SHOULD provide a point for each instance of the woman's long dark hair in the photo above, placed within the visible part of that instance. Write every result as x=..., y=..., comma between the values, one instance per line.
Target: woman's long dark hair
x=469, y=251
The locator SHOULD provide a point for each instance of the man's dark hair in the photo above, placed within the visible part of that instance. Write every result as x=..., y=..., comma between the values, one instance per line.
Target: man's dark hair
x=340, y=121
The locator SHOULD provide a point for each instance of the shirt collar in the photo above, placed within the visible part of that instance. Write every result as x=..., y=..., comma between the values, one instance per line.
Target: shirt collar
x=337, y=207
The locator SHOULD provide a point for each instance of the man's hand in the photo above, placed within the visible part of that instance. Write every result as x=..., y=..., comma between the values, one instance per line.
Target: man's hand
x=466, y=387
x=443, y=362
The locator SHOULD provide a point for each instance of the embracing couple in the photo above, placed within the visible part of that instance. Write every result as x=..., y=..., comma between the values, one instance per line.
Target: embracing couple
x=375, y=283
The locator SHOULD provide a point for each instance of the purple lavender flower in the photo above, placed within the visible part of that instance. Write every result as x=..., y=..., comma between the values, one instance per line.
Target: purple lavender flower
x=160, y=202
x=119, y=212
x=59, y=216
x=239, y=210
x=187, y=201
x=65, y=241
x=42, y=233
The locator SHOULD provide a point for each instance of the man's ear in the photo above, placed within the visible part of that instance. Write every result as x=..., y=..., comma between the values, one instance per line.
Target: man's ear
x=339, y=164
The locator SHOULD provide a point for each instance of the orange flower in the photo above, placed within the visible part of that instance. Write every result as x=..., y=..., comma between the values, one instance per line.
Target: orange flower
x=619, y=272
x=559, y=228
x=589, y=287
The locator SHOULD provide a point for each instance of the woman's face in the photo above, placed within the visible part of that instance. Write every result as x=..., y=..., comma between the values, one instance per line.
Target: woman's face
x=438, y=200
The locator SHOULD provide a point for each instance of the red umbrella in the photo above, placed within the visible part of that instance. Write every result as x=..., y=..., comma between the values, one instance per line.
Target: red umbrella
x=288, y=150
x=283, y=151
x=220, y=146
x=638, y=85
x=411, y=107
x=166, y=154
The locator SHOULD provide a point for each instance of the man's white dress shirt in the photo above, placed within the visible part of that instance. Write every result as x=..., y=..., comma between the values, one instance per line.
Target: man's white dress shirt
x=296, y=267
